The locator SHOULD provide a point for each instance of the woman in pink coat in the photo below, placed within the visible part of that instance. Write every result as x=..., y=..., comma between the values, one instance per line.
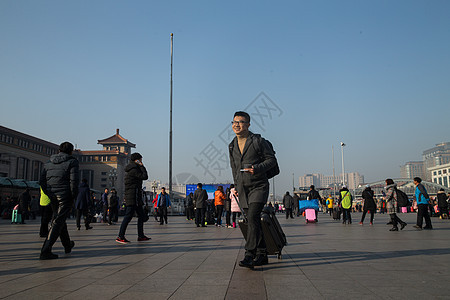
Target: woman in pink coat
x=234, y=205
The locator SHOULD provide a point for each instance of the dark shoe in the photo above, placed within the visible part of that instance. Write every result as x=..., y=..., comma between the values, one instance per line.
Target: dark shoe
x=78, y=227
x=122, y=240
x=47, y=255
x=247, y=262
x=427, y=228
x=198, y=225
x=261, y=260
x=389, y=223
x=144, y=238
x=69, y=249
x=204, y=226
x=403, y=225
x=417, y=227
x=89, y=227
x=394, y=229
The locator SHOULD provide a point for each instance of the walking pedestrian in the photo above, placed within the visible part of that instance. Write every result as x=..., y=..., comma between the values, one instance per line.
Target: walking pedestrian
x=288, y=203
x=423, y=201
x=24, y=203
x=251, y=157
x=59, y=181
x=135, y=173
x=235, y=210
x=82, y=205
x=227, y=206
x=190, y=206
x=442, y=204
x=369, y=204
x=200, y=197
x=219, y=198
x=345, y=201
x=113, y=206
x=392, y=205
x=163, y=204
x=104, y=200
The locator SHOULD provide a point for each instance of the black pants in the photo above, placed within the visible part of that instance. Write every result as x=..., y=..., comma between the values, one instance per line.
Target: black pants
x=113, y=215
x=219, y=209
x=105, y=213
x=129, y=214
x=238, y=214
x=46, y=218
x=395, y=220
x=85, y=214
x=255, y=244
x=189, y=212
x=62, y=208
x=347, y=215
x=422, y=213
x=162, y=214
x=364, y=215
x=289, y=213
x=228, y=217
x=200, y=216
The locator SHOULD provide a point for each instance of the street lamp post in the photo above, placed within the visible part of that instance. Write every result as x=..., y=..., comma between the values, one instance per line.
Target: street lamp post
x=343, y=170
x=112, y=177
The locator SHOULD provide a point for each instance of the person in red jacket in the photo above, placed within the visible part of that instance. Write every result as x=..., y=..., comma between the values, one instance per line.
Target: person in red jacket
x=219, y=198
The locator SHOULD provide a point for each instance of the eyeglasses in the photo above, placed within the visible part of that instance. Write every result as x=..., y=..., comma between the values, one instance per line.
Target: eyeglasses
x=238, y=122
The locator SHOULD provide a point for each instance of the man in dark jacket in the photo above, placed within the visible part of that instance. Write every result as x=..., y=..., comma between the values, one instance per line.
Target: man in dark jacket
x=200, y=197
x=59, y=181
x=105, y=206
x=442, y=204
x=24, y=203
x=113, y=206
x=313, y=194
x=369, y=204
x=288, y=203
x=250, y=158
x=190, y=206
x=135, y=174
x=82, y=204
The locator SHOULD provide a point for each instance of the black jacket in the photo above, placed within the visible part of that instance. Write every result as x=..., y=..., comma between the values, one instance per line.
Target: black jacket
x=200, y=197
x=442, y=199
x=313, y=194
x=288, y=201
x=83, y=198
x=134, y=176
x=24, y=202
x=256, y=153
x=369, y=202
x=60, y=176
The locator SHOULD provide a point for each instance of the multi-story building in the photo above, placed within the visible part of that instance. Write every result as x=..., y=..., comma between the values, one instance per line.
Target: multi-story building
x=441, y=174
x=352, y=180
x=412, y=169
x=22, y=156
x=106, y=168
x=435, y=156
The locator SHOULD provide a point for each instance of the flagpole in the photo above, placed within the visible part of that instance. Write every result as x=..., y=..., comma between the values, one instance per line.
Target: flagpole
x=170, y=130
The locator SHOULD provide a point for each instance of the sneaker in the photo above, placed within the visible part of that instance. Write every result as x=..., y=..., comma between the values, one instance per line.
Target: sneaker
x=122, y=240
x=247, y=262
x=361, y=223
x=393, y=229
x=144, y=238
x=229, y=226
x=403, y=225
x=417, y=227
x=89, y=227
x=47, y=255
x=261, y=260
x=427, y=228
x=371, y=224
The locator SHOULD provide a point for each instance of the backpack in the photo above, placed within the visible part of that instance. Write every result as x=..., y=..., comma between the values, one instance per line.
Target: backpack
x=402, y=199
x=275, y=170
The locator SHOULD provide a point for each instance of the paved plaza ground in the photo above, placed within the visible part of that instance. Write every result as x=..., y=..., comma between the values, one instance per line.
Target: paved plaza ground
x=327, y=260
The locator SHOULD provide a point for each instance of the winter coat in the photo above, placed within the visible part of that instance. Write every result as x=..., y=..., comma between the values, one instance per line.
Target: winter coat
x=288, y=201
x=313, y=194
x=200, y=197
x=163, y=200
x=296, y=203
x=84, y=196
x=369, y=202
x=219, y=198
x=113, y=200
x=421, y=194
x=24, y=202
x=391, y=198
x=227, y=200
x=190, y=200
x=234, y=198
x=34, y=205
x=329, y=202
x=134, y=175
x=442, y=199
x=59, y=177
x=256, y=153
x=345, y=198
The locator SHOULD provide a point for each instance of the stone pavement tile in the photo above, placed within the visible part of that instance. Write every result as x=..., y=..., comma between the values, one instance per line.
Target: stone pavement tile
x=131, y=294
x=200, y=292
x=97, y=291
x=208, y=278
x=122, y=278
x=31, y=294
x=171, y=274
x=159, y=284
x=282, y=291
x=285, y=279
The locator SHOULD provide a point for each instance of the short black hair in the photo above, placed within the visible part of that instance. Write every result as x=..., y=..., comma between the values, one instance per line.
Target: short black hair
x=242, y=114
x=389, y=181
x=135, y=156
x=417, y=179
x=312, y=186
x=199, y=185
x=66, y=147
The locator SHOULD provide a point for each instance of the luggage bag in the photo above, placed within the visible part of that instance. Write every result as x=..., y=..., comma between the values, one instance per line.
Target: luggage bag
x=336, y=214
x=310, y=216
x=16, y=218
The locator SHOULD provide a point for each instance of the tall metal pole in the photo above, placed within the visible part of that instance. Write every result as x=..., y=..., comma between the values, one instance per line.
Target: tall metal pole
x=343, y=168
x=170, y=130
x=293, y=183
x=334, y=177
x=273, y=188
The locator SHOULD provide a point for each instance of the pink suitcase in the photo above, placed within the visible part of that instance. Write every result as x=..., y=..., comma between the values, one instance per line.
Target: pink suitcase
x=310, y=215
x=404, y=209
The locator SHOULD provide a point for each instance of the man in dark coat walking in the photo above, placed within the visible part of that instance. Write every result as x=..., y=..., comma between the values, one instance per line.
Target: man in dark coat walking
x=59, y=181
x=369, y=204
x=288, y=203
x=82, y=204
x=200, y=197
x=24, y=203
x=250, y=158
x=135, y=174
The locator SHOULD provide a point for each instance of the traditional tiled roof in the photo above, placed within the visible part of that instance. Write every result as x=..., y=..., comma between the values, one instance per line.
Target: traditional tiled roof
x=116, y=139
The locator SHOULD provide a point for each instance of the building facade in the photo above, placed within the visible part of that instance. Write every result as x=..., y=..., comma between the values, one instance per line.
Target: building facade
x=441, y=175
x=412, y=169
x=22, y=156
x=438, y=155
x=352, y=180
x=106, y=168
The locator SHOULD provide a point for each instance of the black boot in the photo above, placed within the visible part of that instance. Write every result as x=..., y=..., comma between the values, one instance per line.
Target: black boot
x=69, y=249
x=261, y=260
x=395, y=228
x=402, y=225
x=247, y=262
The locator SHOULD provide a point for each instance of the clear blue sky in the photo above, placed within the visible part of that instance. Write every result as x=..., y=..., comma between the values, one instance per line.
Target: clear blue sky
x=374, y=74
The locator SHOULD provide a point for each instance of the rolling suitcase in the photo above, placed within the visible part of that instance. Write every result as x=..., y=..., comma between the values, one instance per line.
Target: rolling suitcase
x=273, y=233
x=16, y=218
x=336, y=214
x=310, y=216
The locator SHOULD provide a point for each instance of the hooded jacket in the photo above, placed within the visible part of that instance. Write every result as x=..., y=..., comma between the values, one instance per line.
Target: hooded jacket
x=369, y=202
x=391, y=198
x=134, y=175
x=59, y=176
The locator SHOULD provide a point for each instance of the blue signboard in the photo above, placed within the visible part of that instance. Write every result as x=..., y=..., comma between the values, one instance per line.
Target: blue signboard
x=209, y=188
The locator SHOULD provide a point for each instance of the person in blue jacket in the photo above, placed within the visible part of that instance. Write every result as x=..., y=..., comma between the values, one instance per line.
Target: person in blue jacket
x=162, y=204
x=423, y=200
